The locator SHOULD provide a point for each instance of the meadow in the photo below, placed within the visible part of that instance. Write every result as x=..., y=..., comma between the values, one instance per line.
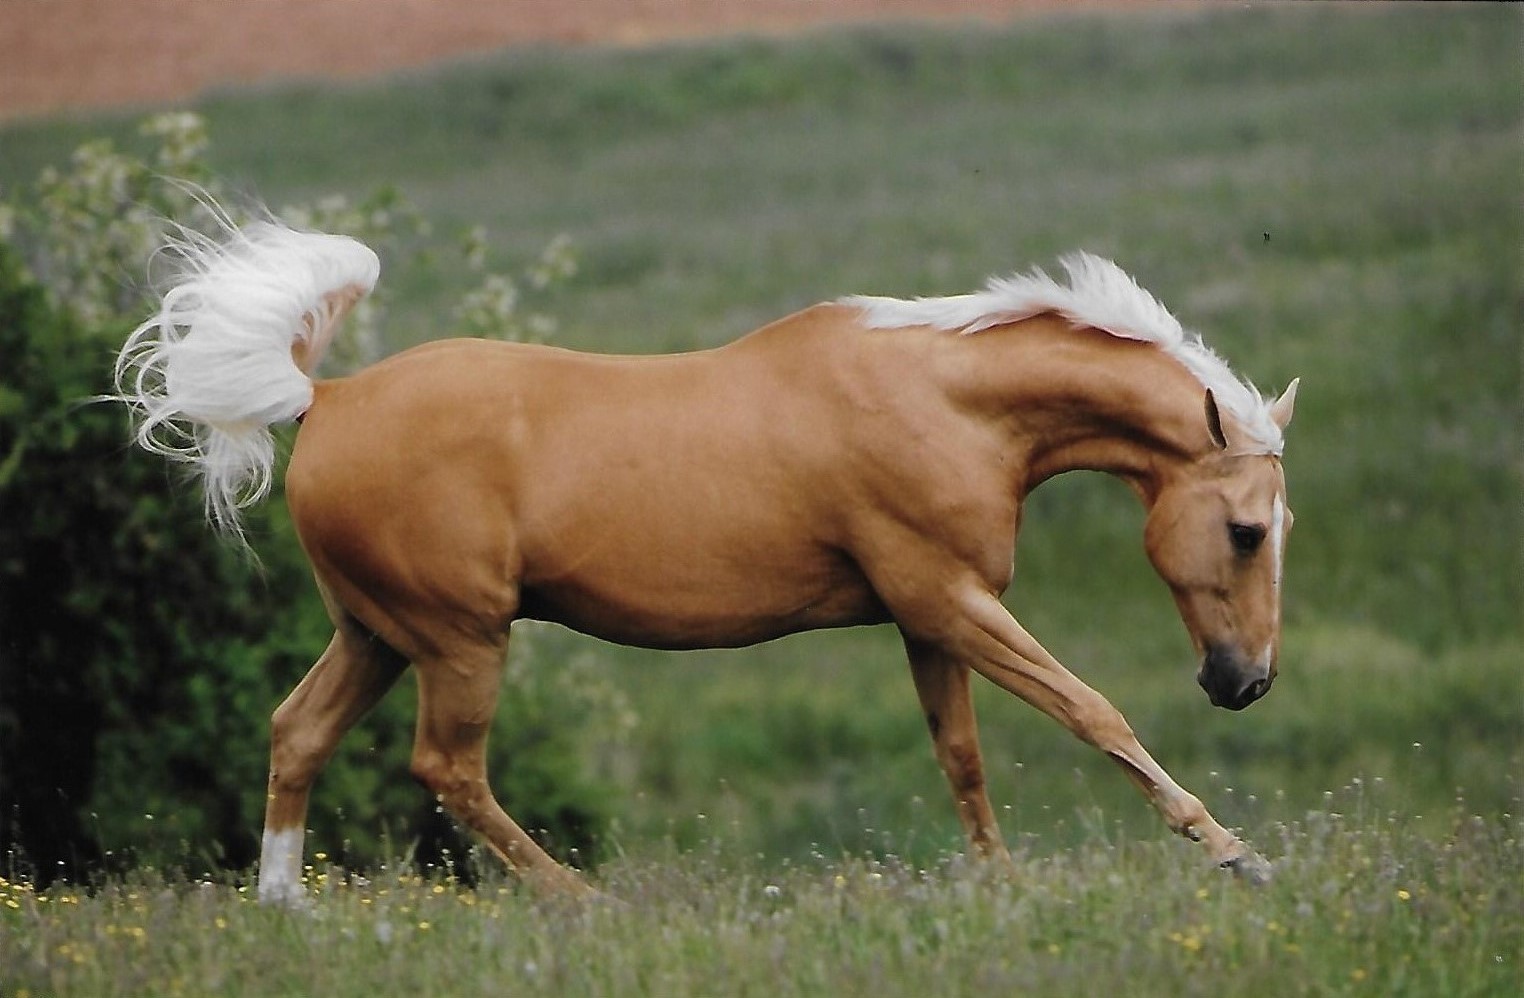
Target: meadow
x=1323, y=191
x=1363, y=905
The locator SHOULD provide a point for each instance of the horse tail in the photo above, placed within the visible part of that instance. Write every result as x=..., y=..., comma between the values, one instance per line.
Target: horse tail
x=230, y=351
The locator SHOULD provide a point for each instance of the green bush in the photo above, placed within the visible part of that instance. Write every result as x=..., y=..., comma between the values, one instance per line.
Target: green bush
x=140, y=658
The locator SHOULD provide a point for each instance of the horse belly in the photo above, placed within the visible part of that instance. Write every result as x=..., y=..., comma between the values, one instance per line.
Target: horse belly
x=693, y=599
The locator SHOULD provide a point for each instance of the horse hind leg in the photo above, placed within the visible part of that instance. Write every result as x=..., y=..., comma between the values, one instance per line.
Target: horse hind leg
x=942, y=683
x=457, y=695
x=347, y=681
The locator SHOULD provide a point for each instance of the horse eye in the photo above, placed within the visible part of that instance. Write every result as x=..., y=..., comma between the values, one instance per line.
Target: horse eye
x=1246, y=537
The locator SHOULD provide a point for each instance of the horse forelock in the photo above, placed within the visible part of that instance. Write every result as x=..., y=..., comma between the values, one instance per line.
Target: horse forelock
x=1099, y=295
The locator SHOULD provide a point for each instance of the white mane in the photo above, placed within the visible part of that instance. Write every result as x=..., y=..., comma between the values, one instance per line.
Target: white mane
x=1101, y=295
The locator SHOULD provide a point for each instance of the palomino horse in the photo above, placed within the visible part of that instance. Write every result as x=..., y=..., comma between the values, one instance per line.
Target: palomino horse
x=860, y=461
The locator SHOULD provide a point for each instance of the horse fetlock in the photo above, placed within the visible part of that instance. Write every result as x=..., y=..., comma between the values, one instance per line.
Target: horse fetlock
x=987, y=844
x=280, y=863
x=292, y=897
x=555, y=880
x=997, y=857
x=1189, y=818
x=1222, y=845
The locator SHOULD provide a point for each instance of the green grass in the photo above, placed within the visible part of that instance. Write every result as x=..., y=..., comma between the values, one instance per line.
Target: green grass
x=1324, y=191
x=1362, y=904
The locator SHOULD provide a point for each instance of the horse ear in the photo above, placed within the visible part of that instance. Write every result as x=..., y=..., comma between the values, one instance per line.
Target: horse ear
x=1214, y=422
x=1281, y=410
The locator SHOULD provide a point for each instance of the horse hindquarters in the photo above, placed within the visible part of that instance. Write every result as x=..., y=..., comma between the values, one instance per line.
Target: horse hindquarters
x=380, y=495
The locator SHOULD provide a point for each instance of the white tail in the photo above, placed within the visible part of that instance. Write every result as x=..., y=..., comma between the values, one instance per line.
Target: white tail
x=230, y=350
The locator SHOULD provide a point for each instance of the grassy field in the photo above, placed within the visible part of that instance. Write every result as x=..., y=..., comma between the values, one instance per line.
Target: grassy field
x=1323, y=191
x=1363, y=905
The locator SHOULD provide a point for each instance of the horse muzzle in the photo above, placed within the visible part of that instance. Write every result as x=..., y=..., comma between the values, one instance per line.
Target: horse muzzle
x=1232, y=681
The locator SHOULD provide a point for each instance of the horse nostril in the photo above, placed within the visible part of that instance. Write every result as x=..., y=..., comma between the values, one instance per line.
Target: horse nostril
x=1255, y=690
x=1223, y=678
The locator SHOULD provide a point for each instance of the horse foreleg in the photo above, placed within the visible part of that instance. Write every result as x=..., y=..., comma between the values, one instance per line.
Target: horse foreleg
x=1001, y=650
x=456, y=699
x=942, y=682
x=347, y=681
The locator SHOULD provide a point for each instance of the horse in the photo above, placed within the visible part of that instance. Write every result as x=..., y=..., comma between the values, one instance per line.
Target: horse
x=862, y=461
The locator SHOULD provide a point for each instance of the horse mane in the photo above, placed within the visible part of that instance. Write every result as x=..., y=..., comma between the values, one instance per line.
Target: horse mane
x=1099, y=295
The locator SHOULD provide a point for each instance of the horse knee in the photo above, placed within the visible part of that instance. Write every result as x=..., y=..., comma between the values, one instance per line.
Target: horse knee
x=296, y=752
x=1186, y=815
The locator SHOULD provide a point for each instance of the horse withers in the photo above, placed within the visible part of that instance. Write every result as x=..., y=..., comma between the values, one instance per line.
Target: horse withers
x=861, y=461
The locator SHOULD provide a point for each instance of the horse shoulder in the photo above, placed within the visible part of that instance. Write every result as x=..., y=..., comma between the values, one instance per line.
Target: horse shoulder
x=901, y=463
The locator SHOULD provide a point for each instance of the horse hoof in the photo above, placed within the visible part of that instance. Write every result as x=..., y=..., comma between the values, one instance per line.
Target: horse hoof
x=296, y=902
x=604, y=901
x=1250, y=867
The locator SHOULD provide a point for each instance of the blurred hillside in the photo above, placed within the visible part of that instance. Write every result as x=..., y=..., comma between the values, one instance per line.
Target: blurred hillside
x=81, y=54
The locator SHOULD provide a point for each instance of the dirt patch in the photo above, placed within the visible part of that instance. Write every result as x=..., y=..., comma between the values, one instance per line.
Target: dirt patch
x=65, y=55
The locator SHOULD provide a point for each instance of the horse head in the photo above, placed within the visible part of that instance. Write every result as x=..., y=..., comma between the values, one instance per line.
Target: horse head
x=1216, y=533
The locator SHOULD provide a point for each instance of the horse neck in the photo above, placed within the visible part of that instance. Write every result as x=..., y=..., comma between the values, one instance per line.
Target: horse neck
x=1081, y=399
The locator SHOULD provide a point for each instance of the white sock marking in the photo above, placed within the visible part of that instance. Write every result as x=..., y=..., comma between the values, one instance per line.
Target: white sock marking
x=280, y=867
